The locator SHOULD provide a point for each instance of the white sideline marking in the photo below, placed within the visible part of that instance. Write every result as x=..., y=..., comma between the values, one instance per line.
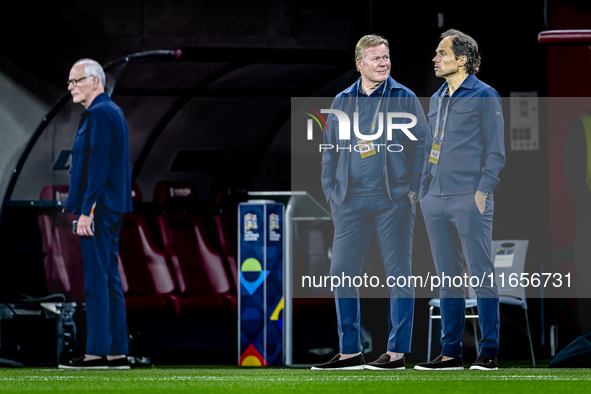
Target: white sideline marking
x=289, y=376
x=292, y=379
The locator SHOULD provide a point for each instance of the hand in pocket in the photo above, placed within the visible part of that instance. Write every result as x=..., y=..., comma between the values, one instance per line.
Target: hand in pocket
x=480, y=200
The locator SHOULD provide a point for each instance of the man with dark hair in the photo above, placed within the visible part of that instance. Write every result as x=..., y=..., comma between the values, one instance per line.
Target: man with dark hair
x=371, y=186
x=100, y=191
x=464, y=154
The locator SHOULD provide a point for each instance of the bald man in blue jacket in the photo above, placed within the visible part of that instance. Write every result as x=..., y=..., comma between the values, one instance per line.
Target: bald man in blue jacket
x=100, y=191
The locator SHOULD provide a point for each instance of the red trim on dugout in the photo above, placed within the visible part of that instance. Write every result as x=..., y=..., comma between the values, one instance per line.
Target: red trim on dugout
x=565, y=37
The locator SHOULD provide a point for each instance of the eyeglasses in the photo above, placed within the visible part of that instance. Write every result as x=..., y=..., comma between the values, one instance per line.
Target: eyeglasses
x=74, y=82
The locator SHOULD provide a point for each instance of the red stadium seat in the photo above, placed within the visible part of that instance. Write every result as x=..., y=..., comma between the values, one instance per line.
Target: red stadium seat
x=199, y=270
x=63, y=262
x=150, y=282
x=227, y=232
x=124, y=282
x=225, y=194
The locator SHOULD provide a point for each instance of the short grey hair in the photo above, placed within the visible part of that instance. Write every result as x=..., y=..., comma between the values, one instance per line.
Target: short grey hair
x=93, y=68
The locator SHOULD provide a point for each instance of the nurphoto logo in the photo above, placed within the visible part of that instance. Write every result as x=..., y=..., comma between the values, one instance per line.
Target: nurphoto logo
x=344, y=125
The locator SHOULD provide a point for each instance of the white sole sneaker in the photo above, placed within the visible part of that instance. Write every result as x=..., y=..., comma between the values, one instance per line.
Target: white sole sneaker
x=419, y=368
x=351, y=368
x=479, y=368
x=60, y=366
x=372, y=368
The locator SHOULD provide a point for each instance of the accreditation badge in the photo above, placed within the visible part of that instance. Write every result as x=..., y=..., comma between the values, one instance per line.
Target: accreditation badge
x=366, y=148
x=435, y=151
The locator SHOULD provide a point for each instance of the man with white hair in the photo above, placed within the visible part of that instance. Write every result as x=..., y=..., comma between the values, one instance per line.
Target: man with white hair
x=100, y=192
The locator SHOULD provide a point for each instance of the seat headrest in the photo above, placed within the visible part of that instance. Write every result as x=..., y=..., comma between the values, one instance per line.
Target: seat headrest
x=226, y=194
x=176, y=192
x=55, y=192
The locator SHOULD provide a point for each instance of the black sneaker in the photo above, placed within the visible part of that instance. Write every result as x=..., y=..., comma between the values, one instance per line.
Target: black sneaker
x=483, y=363
x=80, y=363
x=353, y=363
x=455, y=364
x=384, y=364
x=119, y=363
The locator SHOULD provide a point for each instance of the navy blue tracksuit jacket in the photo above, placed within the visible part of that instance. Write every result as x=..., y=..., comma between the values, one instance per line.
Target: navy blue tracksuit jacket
x=473, y=149
x=100, y=160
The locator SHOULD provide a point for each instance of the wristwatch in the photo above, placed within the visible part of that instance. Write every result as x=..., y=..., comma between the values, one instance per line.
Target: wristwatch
x=483, y=193
x=414, y=197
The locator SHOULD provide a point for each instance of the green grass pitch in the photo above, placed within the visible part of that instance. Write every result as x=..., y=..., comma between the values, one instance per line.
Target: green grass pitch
x=228, y=380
